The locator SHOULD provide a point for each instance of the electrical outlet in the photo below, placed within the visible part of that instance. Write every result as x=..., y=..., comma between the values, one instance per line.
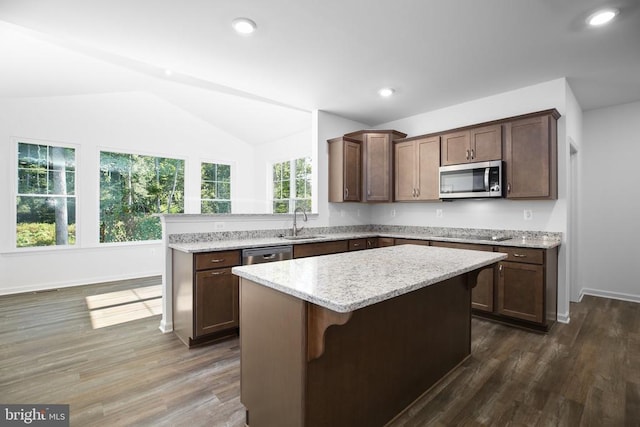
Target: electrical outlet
x=528, y=214
x=341, y=212
x=393, y=212
x=439, y=213
x=358, y=212
x=218, y=225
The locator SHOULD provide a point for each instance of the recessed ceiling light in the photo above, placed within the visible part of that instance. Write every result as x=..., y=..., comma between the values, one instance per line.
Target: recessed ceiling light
x=386, y=92
x=602, y=17
x=244, y=25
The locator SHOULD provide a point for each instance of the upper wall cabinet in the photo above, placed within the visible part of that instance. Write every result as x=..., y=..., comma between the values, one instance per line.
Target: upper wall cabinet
x=478, y=144
x=416, y=169
x=377, y=163
x=345, y=161
x=531, y=152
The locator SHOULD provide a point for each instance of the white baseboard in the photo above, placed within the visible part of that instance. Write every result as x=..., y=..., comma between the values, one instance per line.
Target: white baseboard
x=608, y=294
x=78, y=282
x=564, y=317
x=166, y=327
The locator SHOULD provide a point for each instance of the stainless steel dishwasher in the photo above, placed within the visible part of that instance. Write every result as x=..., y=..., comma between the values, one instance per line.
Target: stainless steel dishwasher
x=270, y=254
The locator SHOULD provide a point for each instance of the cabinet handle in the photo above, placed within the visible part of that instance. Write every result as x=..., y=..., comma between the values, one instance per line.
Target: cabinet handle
x=216, y=260
x=468, y=154
x=346, y=192
x=473, y=153
x=500, y=269
x=217, y=273
x=519, y=255
x=356, y=245
x=368, y=192
x=413, y=194
x=417, y=192
x=509, y=188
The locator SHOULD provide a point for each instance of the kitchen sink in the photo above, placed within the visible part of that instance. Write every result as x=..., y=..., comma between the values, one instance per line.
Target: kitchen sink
x=300, y=237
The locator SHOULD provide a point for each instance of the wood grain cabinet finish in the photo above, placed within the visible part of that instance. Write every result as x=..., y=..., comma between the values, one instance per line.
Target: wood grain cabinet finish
x=377, y=163
x=411, y=242
x=205, y=296
x=322, y=248
x=345, y=170
x=360, y=244
x=386, y=241
x=531, y=162
x=477, y=144
x=482, y=295
x=417, y=163
x=528, y=286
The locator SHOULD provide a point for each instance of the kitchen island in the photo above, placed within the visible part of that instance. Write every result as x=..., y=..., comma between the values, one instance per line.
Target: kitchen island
x=353, y=338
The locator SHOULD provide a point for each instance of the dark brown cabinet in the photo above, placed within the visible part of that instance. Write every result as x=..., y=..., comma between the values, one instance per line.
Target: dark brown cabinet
x=478, y=144
x=377, y=163
x=528, y=285
x=411, y=242
x=205, y=295
x=416, y=169
x=386, y=241
x=482, y=295
x=360, y=244
x=531, y=162
x=345, y=170
x=322, y=248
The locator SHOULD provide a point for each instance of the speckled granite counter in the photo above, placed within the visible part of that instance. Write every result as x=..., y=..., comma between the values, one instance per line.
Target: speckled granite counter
x=230, y=244
x=350, y=281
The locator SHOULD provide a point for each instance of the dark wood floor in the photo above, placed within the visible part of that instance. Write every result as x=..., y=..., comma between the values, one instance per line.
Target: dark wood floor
x=585, y=373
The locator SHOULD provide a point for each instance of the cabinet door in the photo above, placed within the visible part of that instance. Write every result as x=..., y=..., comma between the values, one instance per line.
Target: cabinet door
x=428, y=175
x=455, y=148
x=482, y=293
x=520, y=291
x=385, y=241
x=411, y=242
x=530, y=158
x=377, y=160
x=405, y=171
x=216, y=301
x=352, y=171
x=486, y=143
x=357, y=244
x=322, y=248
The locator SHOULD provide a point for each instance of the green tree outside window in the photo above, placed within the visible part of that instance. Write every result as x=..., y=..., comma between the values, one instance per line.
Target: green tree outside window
x=132, y=189
x=215, y=190
x=292, y=185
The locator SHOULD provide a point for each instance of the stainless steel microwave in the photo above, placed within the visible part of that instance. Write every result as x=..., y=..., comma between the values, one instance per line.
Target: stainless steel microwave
x=471, y=180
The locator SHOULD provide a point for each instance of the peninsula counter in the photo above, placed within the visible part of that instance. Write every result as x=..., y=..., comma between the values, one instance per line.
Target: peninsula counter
x=352, y=338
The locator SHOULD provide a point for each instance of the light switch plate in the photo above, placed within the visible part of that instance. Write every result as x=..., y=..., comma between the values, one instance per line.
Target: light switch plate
x=439, y=213
x=528, y=214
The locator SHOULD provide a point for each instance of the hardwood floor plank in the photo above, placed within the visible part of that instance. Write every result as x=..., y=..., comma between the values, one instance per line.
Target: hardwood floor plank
x=581, y=374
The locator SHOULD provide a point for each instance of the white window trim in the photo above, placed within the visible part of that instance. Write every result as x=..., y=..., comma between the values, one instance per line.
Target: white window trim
x=13, y=168
x=232, y=177
x=292, y=186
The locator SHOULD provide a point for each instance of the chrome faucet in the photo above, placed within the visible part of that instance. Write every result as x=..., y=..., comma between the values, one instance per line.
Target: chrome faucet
x=295, y=230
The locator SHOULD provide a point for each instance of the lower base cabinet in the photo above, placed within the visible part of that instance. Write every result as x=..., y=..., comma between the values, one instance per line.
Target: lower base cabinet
x=521, y=291
x=205, y=296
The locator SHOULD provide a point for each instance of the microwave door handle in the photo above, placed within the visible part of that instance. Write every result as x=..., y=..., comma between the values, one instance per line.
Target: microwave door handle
x=486, y=179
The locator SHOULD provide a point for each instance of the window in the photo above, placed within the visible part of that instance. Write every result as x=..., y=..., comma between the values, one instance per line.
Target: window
x=46, y=197
x=292, y=185
x=215, y=188
x=132, y=189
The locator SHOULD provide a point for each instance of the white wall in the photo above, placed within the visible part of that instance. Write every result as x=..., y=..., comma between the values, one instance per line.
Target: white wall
x=126, y=122
x=495, y=214
x=610, y=202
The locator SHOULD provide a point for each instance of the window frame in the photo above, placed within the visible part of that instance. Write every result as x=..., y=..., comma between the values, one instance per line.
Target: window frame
x=231, y=185
x=114, y=150
x=14, y=192
x=292, y=185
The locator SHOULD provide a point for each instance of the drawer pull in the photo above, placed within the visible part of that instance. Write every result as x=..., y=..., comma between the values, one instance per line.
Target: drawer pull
x=519, y=255
x=218, y=273
x=355, y=245
x=216, y=260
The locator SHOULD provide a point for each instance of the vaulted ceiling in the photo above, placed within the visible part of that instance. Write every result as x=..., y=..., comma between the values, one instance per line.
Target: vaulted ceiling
x=331, y=55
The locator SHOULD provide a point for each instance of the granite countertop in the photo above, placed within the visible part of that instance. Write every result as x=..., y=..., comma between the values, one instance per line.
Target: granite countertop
x=349, y=281
x=230, y=244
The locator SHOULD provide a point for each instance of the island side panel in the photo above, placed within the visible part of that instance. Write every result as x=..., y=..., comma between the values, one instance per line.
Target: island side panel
x=272, y=356
x=389, y=354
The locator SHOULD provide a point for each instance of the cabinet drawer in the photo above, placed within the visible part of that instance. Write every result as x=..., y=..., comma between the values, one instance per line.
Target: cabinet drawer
x=529, y=256
x=324, y=248
x=385, y=241
x=468, y=246
x=211, y=260
x=357, y=244
x=412, y=242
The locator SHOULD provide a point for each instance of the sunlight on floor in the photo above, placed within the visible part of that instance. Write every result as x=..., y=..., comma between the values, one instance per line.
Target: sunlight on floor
x=124, y=306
